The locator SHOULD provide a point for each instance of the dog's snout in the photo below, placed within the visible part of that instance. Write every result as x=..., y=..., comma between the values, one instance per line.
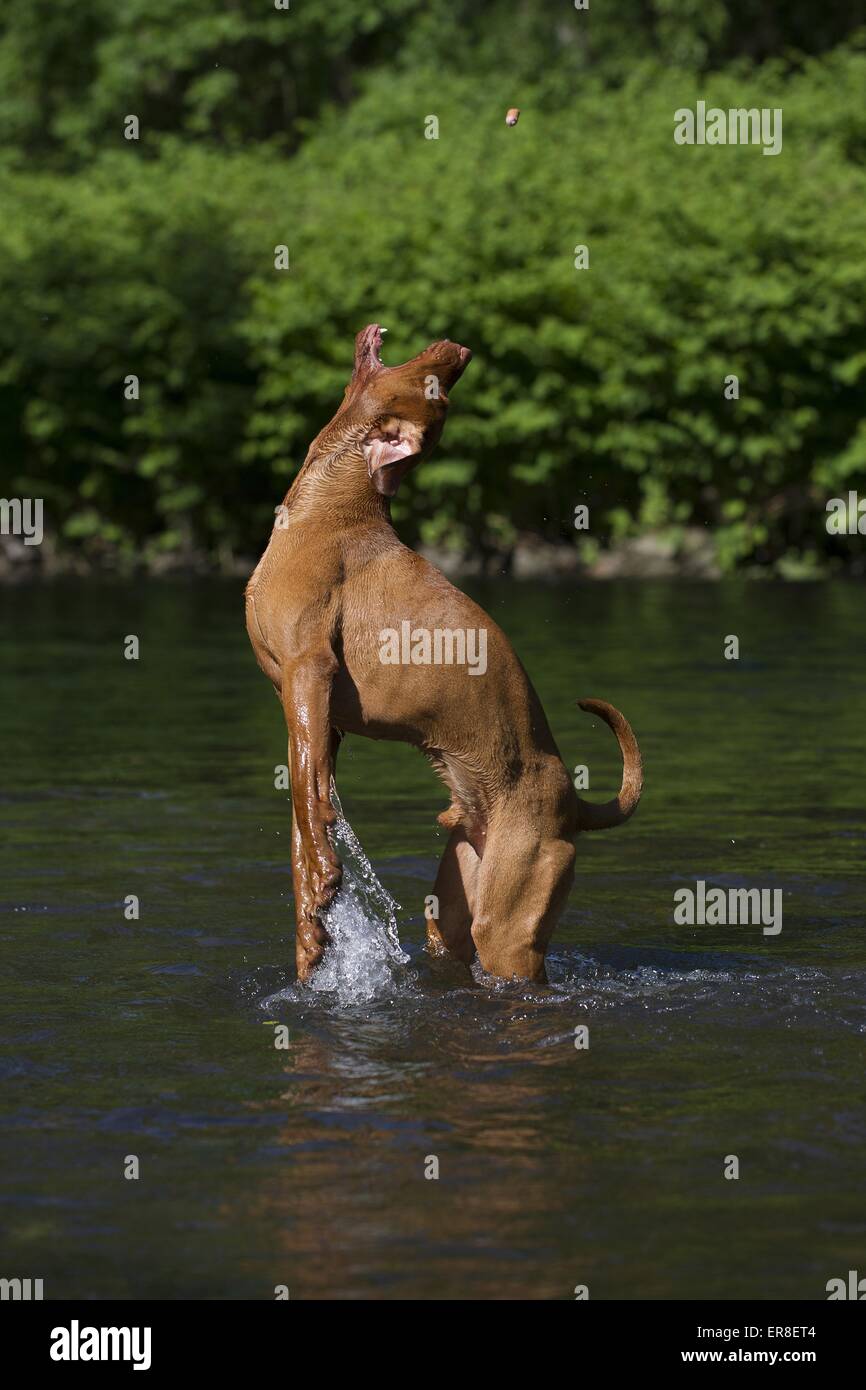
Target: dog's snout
x=452, y=357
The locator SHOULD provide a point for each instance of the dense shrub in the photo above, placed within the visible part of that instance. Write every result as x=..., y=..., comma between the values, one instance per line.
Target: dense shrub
x=602, y=386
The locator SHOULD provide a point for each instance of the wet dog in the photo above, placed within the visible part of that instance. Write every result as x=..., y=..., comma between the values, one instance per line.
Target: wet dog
x=343, y=618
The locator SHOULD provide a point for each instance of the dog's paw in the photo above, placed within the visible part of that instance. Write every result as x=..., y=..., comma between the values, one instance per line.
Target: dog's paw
x=325, y=886
x=310, y=945
x=324, y=868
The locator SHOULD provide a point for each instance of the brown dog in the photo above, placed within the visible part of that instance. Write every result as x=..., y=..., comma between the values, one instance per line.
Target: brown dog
x=360, y=635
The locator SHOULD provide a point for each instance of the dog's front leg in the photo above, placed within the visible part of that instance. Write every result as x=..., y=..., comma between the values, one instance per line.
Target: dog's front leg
x=316, y=871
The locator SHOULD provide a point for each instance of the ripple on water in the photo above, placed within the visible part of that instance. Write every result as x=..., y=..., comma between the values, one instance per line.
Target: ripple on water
x=367, y=973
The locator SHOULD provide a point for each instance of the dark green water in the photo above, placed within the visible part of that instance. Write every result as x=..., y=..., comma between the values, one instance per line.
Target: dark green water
x=558, y=1167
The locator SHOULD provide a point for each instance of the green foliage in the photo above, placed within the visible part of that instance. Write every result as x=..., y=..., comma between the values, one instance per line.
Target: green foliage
x=602, y=386
x=231, y=71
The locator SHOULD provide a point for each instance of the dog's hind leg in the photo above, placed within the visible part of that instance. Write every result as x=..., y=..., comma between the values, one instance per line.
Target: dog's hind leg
x=450, y=919
x=523, y=885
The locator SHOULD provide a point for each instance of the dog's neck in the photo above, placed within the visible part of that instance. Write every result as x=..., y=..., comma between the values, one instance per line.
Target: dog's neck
x=339, y=486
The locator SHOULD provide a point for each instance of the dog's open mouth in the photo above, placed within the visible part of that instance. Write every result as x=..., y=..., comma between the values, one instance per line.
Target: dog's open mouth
x=368, y=351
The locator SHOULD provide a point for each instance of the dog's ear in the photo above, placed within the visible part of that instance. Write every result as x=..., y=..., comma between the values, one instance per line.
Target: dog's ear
x=390, y=449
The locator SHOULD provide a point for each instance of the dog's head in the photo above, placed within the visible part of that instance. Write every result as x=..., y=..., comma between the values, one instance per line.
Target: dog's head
x=395, y=415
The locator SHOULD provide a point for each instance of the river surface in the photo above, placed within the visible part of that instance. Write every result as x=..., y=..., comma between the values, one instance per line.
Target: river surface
x=558, y=1166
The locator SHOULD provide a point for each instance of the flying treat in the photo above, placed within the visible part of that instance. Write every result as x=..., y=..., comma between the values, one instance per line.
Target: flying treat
x=512, y=115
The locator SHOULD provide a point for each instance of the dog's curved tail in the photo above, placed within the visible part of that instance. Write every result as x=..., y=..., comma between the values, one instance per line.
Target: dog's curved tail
x=607, y=814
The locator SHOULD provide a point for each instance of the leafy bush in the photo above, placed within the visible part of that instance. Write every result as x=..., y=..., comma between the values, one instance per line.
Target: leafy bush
x=602, y=386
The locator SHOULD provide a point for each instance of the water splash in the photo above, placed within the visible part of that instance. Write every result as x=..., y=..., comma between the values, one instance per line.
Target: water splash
x=364, y=954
